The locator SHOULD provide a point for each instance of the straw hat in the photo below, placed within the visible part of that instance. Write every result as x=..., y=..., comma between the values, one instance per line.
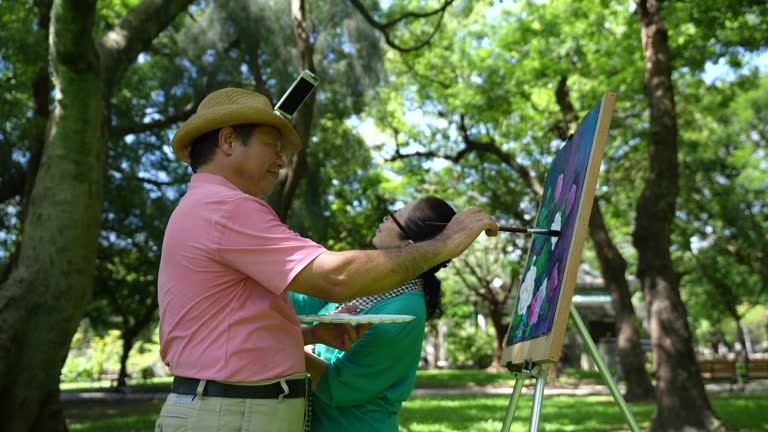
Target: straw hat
x=230, y=107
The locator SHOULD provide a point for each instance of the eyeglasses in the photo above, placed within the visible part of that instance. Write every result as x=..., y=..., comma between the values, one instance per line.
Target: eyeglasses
x=391, y=215
x=277, y=146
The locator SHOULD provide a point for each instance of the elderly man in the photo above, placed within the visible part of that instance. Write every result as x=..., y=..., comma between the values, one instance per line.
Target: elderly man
x=228, y=331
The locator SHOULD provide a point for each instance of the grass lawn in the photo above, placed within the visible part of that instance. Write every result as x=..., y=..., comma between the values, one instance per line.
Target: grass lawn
x=112, y=416
x=136, y=386
x=471, y=378
x=456, y=413
x=562, y=413
x=424, y=378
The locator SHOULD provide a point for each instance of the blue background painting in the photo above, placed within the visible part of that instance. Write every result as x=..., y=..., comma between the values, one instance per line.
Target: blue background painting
x=534, y=312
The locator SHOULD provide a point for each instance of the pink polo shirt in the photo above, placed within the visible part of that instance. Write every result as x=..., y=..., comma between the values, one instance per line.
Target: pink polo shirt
x=224, y=309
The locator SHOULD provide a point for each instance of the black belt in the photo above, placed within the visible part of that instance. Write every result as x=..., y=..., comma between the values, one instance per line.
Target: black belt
x=188, y=386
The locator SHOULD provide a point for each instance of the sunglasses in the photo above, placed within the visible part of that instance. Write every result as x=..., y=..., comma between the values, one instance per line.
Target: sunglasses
x=391, y=215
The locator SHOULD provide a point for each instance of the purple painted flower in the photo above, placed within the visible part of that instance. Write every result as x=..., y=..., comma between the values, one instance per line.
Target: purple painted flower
x=571, y=198
x=553, y=278
x=558, y=186
x=533, y=313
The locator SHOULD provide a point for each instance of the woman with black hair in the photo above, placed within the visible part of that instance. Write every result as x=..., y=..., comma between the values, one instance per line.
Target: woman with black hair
x=363, y=389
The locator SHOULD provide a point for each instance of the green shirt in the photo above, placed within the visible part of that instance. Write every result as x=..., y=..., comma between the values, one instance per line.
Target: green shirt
x=363, y=389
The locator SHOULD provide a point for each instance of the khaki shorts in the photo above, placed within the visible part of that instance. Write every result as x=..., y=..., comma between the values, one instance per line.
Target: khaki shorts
x=192, y=413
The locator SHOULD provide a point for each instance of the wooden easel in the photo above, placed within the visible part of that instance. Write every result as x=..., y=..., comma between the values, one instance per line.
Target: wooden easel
x=530, y=348
x=539, y=372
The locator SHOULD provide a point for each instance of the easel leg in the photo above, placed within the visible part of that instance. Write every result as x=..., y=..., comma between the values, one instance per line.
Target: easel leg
x=538, y=394
x=519, y=380
x=603, y=369
x=520, y=377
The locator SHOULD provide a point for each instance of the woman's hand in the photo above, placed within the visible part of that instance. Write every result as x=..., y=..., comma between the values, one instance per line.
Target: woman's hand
x=337, y=335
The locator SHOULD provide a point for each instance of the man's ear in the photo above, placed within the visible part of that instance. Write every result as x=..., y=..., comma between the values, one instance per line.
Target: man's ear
x=227, y=140
x=408, y=243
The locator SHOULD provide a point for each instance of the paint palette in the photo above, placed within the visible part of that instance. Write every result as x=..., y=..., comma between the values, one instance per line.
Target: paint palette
x=354, y=319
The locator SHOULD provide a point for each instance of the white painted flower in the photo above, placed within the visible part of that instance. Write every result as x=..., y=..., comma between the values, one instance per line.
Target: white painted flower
x=556, y=224
x=526, y=290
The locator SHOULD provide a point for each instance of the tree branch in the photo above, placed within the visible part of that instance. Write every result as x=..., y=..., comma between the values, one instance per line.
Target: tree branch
x=156, y=183
x=563, y=96
x=463, y=278
x=384, y=27
x=156, y=124
x=424, y=78
x=133, y=34
x=473, y=145
x=484, y=291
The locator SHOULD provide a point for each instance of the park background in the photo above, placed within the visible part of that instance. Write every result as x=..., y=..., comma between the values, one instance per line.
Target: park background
x=468, y=100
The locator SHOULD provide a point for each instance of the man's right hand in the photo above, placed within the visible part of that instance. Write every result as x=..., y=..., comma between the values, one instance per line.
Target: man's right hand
x=464, y=228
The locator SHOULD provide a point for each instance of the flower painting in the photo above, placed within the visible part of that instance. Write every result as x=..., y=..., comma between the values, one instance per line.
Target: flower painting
x=548, y=256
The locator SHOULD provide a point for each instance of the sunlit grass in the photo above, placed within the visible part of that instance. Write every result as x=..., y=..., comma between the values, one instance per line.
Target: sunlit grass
x=740, y=411
x=562, y=413
x=486, y=413
x=462, y=378
x=135, y=385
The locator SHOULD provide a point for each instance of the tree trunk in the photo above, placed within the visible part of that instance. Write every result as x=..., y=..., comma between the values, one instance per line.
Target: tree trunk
x=613, y=268
x=681, y=401
x=297, y=165
x=727, y=297
x=128, y=339
x=500, y=331
x=133, y=325
x=42, y=302
x=438, y=345
x=41, y=101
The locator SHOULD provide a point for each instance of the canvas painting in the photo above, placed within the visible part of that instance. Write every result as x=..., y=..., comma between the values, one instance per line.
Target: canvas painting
x=543, y=276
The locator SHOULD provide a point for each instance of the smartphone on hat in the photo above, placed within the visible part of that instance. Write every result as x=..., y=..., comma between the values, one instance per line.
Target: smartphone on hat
x=299, y=91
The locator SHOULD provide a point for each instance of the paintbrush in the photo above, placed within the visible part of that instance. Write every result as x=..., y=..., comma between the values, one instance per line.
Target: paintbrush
x=542, y=231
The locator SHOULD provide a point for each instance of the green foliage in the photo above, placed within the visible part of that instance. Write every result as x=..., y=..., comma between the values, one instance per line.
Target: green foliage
x=714, y=29
x=342, y=197
x=95, y=354
x=92, y=355
x=469, y=347
x=23, y=57
x=723, y=215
